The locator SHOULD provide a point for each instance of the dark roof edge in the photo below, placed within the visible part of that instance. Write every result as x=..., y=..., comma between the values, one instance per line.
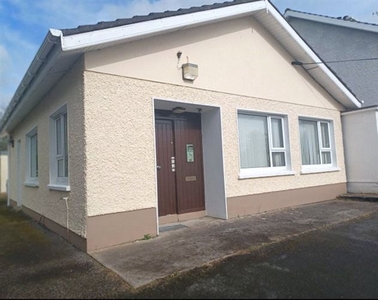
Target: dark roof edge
x=348, y=19
x=362, y=109
x=150, y=17
x=50, y=44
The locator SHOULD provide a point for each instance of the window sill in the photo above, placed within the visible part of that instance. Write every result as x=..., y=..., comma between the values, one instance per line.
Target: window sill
x=31, y=184
x=56, y=187
x=314, y=171
x=262, y=175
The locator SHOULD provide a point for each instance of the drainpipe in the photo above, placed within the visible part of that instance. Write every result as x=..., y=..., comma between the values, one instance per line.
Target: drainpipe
x=67, y=219
x=7, y=187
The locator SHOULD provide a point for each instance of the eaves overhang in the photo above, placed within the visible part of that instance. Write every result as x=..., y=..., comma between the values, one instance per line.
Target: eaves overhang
x=58, y=53
x=48, y=66
x=99, y=39
x=371, y=27
x=362, y=110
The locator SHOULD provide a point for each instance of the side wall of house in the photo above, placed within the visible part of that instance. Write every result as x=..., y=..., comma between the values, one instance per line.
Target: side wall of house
x=361, y=150
x=240, y=67
x=4, y=171
x=42, y=203
x=336, y=43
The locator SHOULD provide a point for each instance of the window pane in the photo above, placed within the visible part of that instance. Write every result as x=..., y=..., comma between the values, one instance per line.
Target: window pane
x=65, y=147
x=61, y=168
x=254, y=143
x=33, y=156
x=58, y=126
x=277, y=133
x=325, y=135
x=309, y=142
x=278, y=159
x=326, y=156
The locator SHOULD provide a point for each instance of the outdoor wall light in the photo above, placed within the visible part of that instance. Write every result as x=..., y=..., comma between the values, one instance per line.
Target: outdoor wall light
x=178, y=110
x=189, y=71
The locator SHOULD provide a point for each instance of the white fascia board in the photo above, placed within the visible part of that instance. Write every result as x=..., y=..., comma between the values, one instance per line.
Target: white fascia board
x=40, y=74
x=313, y=56
x=332, y=21
x=139, y=30
x=33, y=72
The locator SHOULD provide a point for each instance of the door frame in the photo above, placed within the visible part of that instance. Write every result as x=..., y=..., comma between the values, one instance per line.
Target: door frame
x=174, y=119
x=212, y=153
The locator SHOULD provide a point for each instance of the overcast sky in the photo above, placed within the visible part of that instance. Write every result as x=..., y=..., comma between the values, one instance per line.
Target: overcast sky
x=24, y=23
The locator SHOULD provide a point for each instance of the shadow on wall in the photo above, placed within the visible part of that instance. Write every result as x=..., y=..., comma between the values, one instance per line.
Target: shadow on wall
x=3, y=171
x=3, y=197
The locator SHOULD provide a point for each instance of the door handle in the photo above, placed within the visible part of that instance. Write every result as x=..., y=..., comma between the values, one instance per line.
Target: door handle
x=158, y=167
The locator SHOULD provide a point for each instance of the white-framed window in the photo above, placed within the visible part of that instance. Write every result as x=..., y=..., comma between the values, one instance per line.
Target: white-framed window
x=317, y=144
x=263, y=145
x=32, y=158
x=59, y=150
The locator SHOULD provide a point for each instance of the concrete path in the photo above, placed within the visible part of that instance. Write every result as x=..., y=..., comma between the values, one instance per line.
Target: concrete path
x=198, y=242
x=336, y=262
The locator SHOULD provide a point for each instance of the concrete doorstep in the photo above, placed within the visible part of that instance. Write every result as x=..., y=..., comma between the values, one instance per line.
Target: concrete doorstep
x=199, y=242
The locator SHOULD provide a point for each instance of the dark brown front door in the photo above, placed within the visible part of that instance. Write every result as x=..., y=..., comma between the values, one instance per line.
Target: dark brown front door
x=166, y=177
x=180, y=165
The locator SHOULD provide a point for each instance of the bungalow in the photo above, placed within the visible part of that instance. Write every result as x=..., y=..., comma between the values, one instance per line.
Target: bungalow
x=122, y=126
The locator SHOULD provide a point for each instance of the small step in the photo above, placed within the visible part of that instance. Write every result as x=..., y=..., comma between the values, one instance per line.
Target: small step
x=171, y=227
x=359, y=197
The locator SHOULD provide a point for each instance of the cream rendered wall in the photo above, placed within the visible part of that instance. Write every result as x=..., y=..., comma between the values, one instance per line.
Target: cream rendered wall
x=240, y=67
x=49, y=203
x=237, y=57
x=121, y=166
x=361, y=150
x=120, y=146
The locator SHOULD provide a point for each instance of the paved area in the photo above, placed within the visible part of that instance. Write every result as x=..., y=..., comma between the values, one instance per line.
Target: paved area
x=36, y=263
x=338, y=262
x=322, y=250
x=208, y=240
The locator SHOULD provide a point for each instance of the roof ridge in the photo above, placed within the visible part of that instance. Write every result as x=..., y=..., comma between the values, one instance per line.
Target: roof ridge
x=346, y=18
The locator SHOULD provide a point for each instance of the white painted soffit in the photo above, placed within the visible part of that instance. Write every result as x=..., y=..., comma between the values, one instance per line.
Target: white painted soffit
x=331, y=21
x=99, y=39
x=41, y=64
x=276, y=24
